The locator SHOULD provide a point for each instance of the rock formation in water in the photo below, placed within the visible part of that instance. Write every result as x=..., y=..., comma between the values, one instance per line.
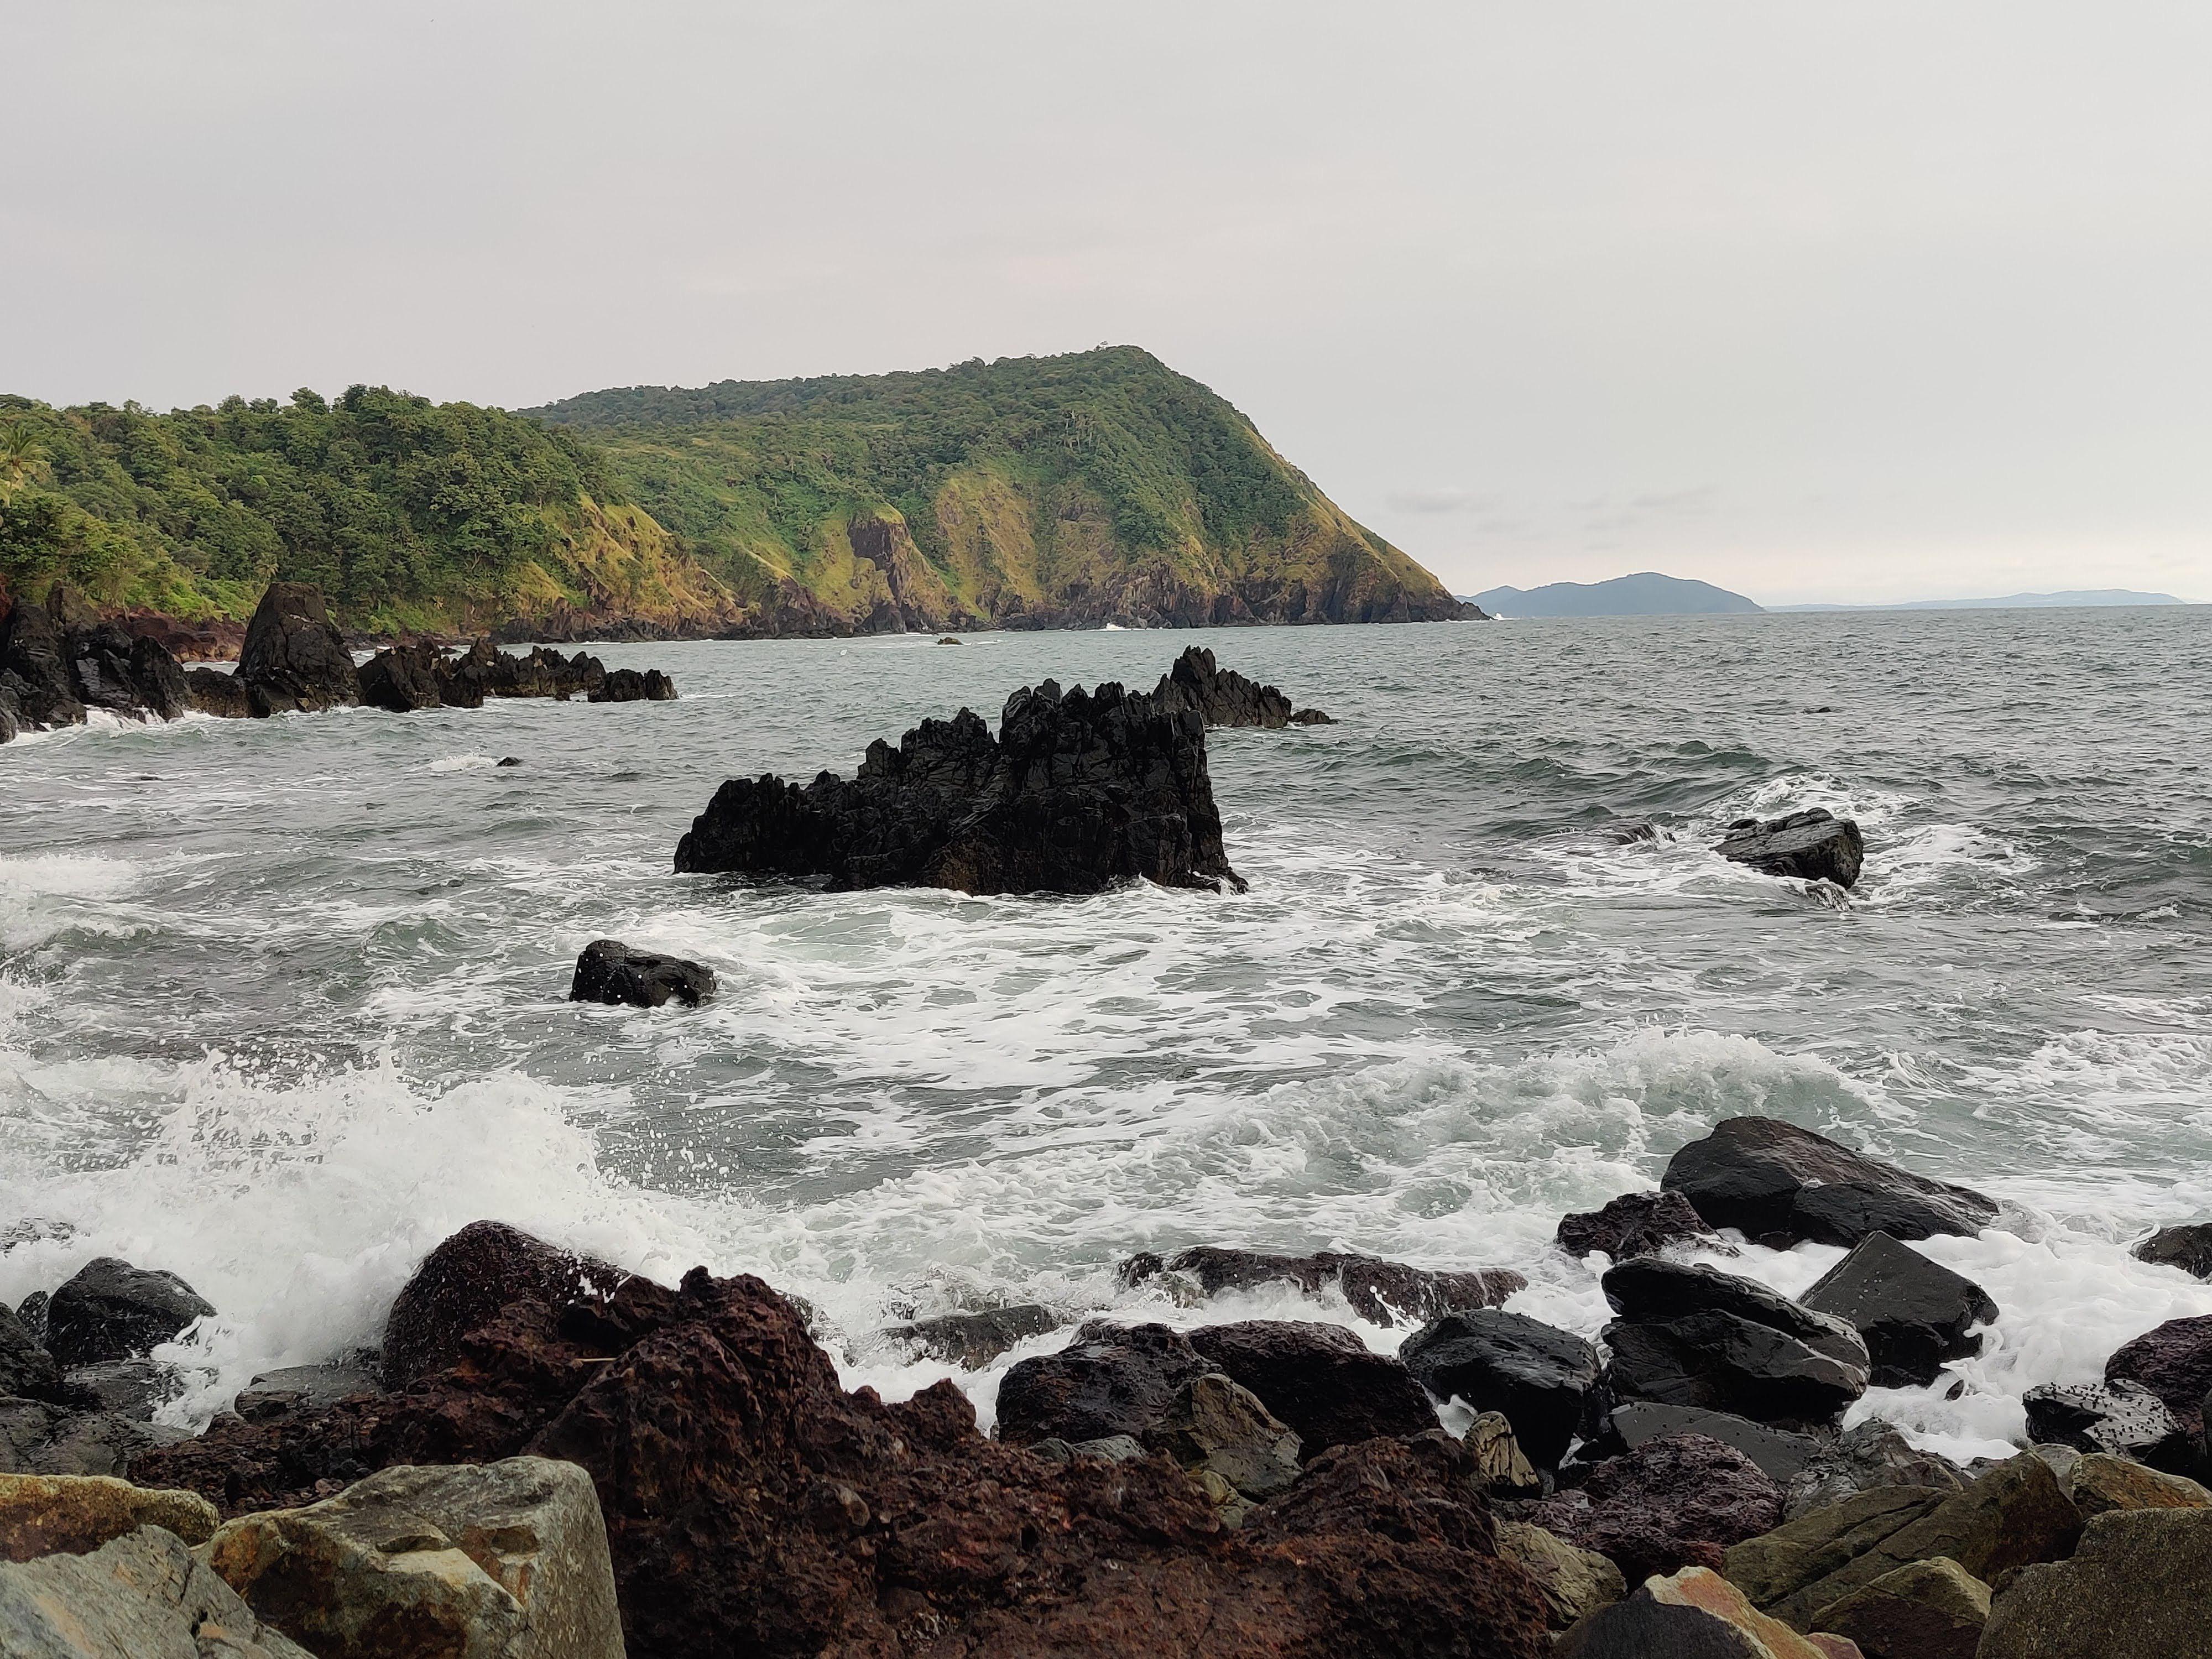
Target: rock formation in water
x=1222, y=696
x=612, y=972
x=1079, y=792
x=1814, y=845
x=58, y=660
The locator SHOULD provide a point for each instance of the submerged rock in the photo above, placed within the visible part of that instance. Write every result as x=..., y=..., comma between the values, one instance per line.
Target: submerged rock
x=611, y=971
x=1915, y=1315
x=1383, y=1293
x=1636, y=1223
x=112, y=1310
x=1782, y=1185
x=1320, y=1379
x=1814, y=845
x=1222, y=696
x=1078, y=793
x=1540, y=1378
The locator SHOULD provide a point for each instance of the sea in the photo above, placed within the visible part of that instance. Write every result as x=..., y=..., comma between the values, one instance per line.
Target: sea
x=282, y=1003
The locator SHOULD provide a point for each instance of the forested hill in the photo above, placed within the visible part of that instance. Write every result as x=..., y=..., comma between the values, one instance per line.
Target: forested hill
x=1035, y=491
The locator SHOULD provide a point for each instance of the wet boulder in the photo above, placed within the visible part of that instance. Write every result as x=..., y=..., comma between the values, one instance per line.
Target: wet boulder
x=34, y=667
x=1671, y=1502
x=100, y=667
x=1319, y=1379
x=294, y=657
x=1807, y=1548
x=403, y=679
x=1782, y=1185
x=2173, y=1362
x=1865, y=1456
x=975, y=1340
x=304, y=1388
x=1078, y=793
x=1635, y=1223
x=1113, y=1379
x=39, y=1437
x=1693, y=1613
x=612, y=972
x=1384, y=1293
x=2098, y=1482
x=112, y=1310
x=158, y=679
x=1914, y=1314
x=1216, y=1426
x=2140, y=1586
x=1647, y=1291
x=135, y=1388
x=1222, y=696
x=1540, y=1378
x=1783, y=1455
x=2189, y=1248
x=1814, y=845
x=2124, y=1418
x=1722, y=1362
x=468, y=1281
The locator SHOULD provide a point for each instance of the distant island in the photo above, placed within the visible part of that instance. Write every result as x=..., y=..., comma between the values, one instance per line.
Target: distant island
x=1647, y=594
x=1035, y=492
x=2011, y=602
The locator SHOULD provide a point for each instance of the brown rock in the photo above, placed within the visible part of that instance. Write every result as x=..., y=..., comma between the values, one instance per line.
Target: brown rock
x=1675, y=1502
x=1809, y=1548
x=1504, y=1471
x=1931, y=1609
x=74, y=1514
x=1636, y=1223
x=2140, y=1586
x=2173, y=1362
x=142, y=1596
x=2098, y=1483
x=466, y=1281
x=1693, y=1614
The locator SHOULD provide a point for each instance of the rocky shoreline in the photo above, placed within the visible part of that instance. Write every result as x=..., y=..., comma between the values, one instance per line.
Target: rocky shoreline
x=549, y=1456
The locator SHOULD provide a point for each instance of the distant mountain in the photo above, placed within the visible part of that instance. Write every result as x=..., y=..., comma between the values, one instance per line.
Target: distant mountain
x=2010, y=602
x=1647, y=594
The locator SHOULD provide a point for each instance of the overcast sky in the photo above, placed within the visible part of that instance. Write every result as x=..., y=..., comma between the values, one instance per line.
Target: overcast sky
x=1835, y=302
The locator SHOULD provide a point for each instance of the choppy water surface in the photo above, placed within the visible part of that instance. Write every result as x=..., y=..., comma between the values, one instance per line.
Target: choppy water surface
x=281, y=1002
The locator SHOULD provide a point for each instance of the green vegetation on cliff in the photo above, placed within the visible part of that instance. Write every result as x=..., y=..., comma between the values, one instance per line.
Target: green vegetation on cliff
x=408, y=515
x=1087, y=487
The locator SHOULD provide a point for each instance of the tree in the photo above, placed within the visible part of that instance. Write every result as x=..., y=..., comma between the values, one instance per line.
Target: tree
x=20, y=454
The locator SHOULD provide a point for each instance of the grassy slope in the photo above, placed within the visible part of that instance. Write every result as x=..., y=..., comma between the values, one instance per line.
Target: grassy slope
x=1039, y=479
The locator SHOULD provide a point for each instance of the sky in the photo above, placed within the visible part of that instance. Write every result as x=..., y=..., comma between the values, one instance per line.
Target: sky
x=1819, y=303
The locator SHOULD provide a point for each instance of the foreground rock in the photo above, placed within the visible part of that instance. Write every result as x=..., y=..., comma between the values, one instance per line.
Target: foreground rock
x=1781, y=1185
x=143, y=1596
x=2189, y=1248
x=1384, y=1293
x=1575, y=1583
x=1320, y=1379
x=1927, y=1610
x=27, y=1368
x=1814, y=845
x=1076, y=793
x=74, y=1514
x=467, y=1280
x=1914, y=1314
x=1635, y=1223
x=2139, y=1587
x=1669, y=1503
x=612, y=972
x=1540, y=1378
x=2099, y=1483
x=752, y=1506
x=1693, y=1615
x=112, y=1310
x=2174, y=1363
x=1222, y=696
x=508, y=1561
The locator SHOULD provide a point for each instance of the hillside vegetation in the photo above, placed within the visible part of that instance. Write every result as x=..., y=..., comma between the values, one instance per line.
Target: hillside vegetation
x=1053, y=491
x=1034, y=492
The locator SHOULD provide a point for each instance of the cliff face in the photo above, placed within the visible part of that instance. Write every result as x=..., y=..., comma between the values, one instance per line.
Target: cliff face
x=1059, y=492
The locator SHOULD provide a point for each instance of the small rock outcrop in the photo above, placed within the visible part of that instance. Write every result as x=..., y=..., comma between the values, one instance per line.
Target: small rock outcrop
x=612, y=972
x=1222, y=696
x=630, y=685
x=142, y=1595
x=1320, y=1379
x=1539, y=1377
x=505, y=1560
x=294, y=658
x=2139, y=1587
x=2189, y=1248
x=1915, y=1315
x=74, y=1514
x=112, y=1310
x=1635, y=1223
x=26, y=1369
x=1384, y=1293
x=1781, y=1185
x=58, y=659
x=1814, y=845
x=467, y=1280
x=1076, y=793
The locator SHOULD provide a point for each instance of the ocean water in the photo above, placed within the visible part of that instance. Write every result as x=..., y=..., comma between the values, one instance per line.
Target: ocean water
x=281, y=1002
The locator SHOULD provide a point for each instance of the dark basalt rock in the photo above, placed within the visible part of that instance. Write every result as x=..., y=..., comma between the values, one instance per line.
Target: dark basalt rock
x=1675, y=1502
x=975, y=1340
x=754, y=1508
x=159, y=679
x=1914, y=1314
x=628, y=685
x=215, y=692
x=1721, y=1362
x=2189, y=1248
x=2175, y=1362
x=1539, y=1377
x=467, y=1280
x=294, y=658
x=1649, y=1291
x=305, y=1388
x=1814, y=845
x=1782, y=1185
x=11, y=716
x=34, y=667
x=485, y=670
x=1635, y=1223
x=1382, y=1292
x=38, y=1437
x=1223, y=697
x=26, y=1369
x=2125, y=1420
x=135, y=1388
x=611, y=971
x=1077, y=793
x=1321, y=1380
x=1866, y=1455
x=403, y=678
x=1113, y=1379
x=112, y=1310
x=1783, y=1455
